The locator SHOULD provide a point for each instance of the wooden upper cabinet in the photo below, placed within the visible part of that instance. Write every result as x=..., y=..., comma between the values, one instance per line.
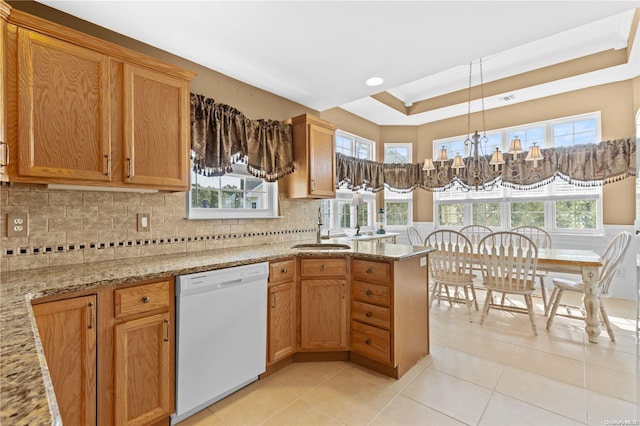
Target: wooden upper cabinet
x=156, y=137
x=314, y=154
x=63, y=109
x=78, y=110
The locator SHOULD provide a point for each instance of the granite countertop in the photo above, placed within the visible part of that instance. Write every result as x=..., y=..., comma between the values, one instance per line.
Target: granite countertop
x=26, y=394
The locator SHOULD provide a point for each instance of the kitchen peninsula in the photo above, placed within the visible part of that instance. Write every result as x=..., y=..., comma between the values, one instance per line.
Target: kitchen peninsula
x=26, y=391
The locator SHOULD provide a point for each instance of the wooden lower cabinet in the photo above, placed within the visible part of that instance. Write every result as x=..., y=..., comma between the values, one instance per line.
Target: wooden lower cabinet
x=324, y=304
x=281, y=321
x=390, y=314
x=130, y=380
x=281, y=310
x=143, y=386
x=67, y=331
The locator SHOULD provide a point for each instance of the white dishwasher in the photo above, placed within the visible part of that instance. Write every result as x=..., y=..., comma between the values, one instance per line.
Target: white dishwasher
x=221, y=334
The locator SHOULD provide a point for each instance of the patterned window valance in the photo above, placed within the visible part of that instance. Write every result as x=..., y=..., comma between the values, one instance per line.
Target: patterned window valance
x=222, y=135
x=584, y=165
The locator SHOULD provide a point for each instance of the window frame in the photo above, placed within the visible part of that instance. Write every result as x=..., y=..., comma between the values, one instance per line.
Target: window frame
x=328, y=219
x=398, y=197
x=549, y=194
x=239, y=170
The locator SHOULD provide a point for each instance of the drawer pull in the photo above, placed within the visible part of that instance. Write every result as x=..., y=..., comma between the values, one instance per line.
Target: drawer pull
x=368, y=314
x=323, y=267
x=146, y=299
x=368, y=293
x=368, y=270
x=166, y=330
x=90, y=315
x=368, y=342
x=284, y=270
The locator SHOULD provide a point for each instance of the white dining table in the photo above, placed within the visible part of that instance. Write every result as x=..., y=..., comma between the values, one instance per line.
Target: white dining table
x=585, y=263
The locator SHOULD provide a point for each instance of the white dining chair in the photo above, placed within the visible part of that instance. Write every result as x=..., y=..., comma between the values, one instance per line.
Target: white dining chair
x=450, y=265
x=543, y=240
x=415, y=239
x=475, y=232
x=509, y=262
x=611, y=259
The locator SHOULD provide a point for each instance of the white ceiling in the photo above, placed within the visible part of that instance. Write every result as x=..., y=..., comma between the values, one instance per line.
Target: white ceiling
x=319, y=53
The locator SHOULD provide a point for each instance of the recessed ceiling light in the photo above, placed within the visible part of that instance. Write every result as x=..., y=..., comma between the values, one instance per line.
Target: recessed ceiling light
x=374, y=81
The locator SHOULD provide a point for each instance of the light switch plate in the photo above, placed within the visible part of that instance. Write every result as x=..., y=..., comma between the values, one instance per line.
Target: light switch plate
x=144, y=222
x=17, y=225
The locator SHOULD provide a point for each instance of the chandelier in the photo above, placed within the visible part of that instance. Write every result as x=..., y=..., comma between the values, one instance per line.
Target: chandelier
x=477, y=171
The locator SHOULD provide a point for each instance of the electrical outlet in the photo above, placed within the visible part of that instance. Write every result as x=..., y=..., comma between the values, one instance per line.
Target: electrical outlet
x=143, y=222
x=17, y=225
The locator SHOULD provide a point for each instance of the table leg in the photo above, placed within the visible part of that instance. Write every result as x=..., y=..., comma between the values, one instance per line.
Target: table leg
x=591, y=302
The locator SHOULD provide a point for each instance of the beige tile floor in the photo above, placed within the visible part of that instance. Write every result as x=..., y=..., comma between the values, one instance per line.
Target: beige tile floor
x=497, y=373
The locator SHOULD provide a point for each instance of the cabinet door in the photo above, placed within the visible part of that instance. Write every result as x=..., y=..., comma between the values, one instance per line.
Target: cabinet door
x=144, y=370
x=63, y=105
x=281, y=321
x=156, y=138
x=68, y=333
x=323, y=314
x=322, y=170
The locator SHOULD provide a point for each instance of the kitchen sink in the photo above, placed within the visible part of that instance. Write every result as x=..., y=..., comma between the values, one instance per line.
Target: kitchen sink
x=321, y=246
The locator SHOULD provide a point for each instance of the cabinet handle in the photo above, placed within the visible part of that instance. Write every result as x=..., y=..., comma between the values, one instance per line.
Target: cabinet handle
x=146, y=299
x=166, y=330
x=368, y=293
x=284, y=271
x=129, y=174
x=313, y=184
x=344, y=291
x=367, y=342
x=6, y=154
x=107, y=165
x=273, y=300
x=368, y=271
x=90, y=315
x=323, y=267
x=368, y=314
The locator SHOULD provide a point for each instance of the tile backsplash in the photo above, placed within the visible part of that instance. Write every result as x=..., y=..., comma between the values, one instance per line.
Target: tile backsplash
x=70, y=227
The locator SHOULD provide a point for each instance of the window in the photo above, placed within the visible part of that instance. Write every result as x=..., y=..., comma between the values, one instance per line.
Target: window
x=338, y=213
x=233, y=195
x=398, y=206
x=558, y=206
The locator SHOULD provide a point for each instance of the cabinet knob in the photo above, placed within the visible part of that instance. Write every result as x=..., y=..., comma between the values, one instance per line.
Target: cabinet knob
x=368, y=270
x=368, y=293
x=368, y=314
x=367, y=342
x=323, y=267
x=284, y=270
x=146, y=299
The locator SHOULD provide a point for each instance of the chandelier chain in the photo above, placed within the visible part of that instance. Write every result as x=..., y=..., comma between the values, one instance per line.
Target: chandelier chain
x=484, y=127
x=469, y=104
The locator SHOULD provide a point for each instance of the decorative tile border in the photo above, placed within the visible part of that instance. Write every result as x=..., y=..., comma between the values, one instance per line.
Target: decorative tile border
x=62, y=248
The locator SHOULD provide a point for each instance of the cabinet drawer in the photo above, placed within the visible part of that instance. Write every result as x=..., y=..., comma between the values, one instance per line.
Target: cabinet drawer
x=371, y=271
x=371, y=293
x=371, y=342
x=282, y=271
x=371, y=314
x=323, y=267
x=142, y=298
